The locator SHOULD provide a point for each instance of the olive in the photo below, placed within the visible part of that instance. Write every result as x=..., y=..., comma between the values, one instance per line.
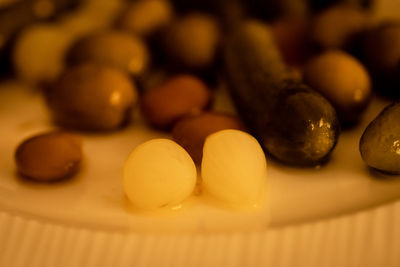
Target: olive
x=380, y=142
x=291, y=38
x=173, y=99
x=343, y=80
x=49, y=156
x=382, y=56
x=92, y=97
x=146, y=17
x=338, y=27
x=192, y=41
x=118, y=49
x=38, y=53
x=191, y=132
x=303, y=127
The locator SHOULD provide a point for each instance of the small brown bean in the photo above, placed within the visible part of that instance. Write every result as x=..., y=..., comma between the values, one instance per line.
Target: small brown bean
x=192, y=131
x=49, y=156
x=91, y=97
x=173, y=99
x=343, y=80
x=118, y=49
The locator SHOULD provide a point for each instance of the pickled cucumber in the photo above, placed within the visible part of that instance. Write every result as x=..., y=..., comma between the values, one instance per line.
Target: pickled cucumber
x=293, y=123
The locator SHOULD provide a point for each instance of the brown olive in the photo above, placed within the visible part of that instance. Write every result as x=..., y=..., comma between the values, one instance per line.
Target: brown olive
x=49, y=156
x=191, y=132
x=192, y=41
x=338, y=26
x=343, y=80
x=173, y=99
x=291, y=38
x=145, y=17
x=38, y=53
x=382, y=57
x=92, y=97
x=119, y=49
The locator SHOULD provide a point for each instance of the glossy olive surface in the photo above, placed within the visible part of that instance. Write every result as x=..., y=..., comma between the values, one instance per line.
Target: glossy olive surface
x=91, y=97
x=49, y=156
x=380, y=143
x=293, y=123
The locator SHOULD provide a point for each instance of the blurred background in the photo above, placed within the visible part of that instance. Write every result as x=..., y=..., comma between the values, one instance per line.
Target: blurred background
x=35, y=35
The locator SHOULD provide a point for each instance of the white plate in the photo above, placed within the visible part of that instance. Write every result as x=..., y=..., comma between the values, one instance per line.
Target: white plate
x=95, y=199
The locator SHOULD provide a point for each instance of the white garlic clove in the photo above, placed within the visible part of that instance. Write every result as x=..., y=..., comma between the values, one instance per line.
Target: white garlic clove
x=234, y=168
x=158, y=173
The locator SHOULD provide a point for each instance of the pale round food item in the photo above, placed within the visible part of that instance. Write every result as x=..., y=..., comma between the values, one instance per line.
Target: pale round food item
x=38, y=55
x=158, y=173
x=234, y=168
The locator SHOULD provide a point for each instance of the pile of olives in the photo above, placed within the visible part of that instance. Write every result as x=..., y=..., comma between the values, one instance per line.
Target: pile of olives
x=95, y=61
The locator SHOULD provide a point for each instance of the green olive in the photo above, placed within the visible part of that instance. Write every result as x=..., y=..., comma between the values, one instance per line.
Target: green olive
x=192, y=41
x=380, y=142
x=146, y=17
x=92, y=97
x=343, y=80
x=118, y=49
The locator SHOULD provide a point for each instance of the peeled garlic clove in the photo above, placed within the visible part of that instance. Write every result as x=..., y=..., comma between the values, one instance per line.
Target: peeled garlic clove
x=234, y=168
x=158, y=173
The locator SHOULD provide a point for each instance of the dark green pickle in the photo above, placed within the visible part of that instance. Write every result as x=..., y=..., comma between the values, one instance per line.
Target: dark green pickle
x=380, y=142
x=293, y=123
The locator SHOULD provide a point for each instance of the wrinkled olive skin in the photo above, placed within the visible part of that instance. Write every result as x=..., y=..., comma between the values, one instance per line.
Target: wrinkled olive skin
x=293, y=123
x=380, y=142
